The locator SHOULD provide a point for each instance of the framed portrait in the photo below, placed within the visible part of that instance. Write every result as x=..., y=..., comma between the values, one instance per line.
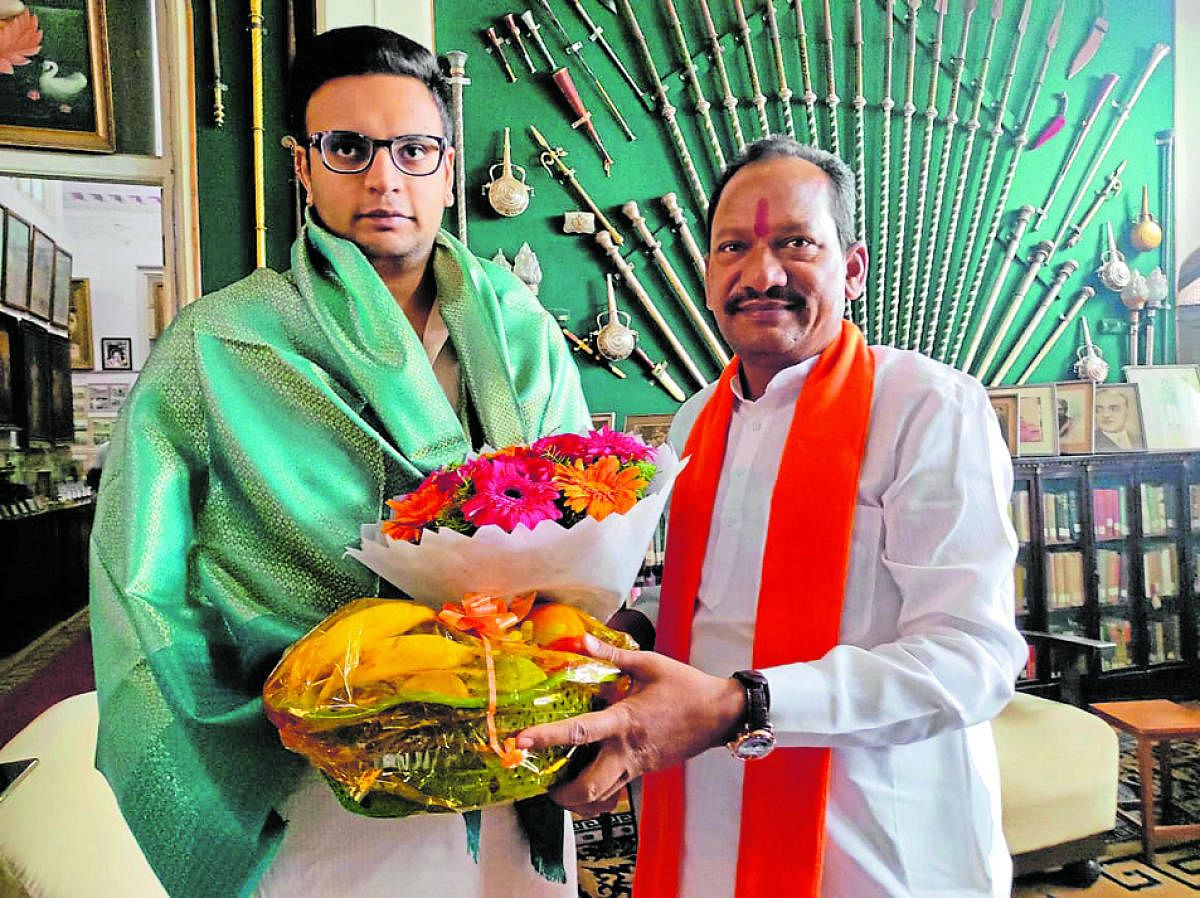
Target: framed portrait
x=1037, y=429
x=651, y=428
x=61, y=98
x=62, y=414
x=1170, y=396
x=116, y=353
x=79, y=325
x=8, y=347
x=1073, y=405
x=17, y=235
x=604, y=419
x=41, y=275
x=60, y=300
x=1004, y=404
x=35, y=383
x=1118, y=419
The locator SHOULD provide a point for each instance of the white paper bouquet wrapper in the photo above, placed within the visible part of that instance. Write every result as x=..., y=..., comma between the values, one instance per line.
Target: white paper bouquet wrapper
x=591, y=565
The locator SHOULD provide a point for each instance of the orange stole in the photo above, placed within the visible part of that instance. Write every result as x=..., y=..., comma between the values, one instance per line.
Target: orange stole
x=803, y=574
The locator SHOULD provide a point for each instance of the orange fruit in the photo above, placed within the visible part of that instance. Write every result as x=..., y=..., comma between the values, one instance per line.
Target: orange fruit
x=554, y=621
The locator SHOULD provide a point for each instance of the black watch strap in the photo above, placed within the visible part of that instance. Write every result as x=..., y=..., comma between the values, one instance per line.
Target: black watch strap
x=758, y=699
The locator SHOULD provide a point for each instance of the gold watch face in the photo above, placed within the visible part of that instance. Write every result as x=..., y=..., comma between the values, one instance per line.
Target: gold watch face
x=753, y=745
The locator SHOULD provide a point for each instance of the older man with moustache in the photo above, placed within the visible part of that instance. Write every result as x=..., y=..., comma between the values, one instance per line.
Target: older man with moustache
x=272, y=420
x=840, y=544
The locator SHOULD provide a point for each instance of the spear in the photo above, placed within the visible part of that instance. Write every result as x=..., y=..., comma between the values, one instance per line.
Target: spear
x=1112, y=186
x=914, y=6
x=861, y=304
x=760, y=100
x=689, y=74
x=596, y=36
x=984, y=179
x=909, y=339
x=1024, y=214
x=939, y=193
x=1018, y=147
x=1039, y=257
x=964, y=171
x=1084, y=294
x=885, y=165
x=809, y=97
x=667, y=110
x=1065, y=270
x=219, y=86
x=729, y=101
x=685, y=233
x=785, y=93
x=832, y=99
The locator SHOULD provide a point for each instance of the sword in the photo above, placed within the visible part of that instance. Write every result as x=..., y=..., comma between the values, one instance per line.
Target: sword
x=668, y=111
x=1106, y=89
x=1112, y=186
x=1040, y=254
x=914, y=6
x=729, y=101
x=785, y=93
x=552, y=159
x=984, y=179
x=1089, y=48
x=1065, y=270
x=566, y=87
x=1010, y=252
x=219, y=86
x=939, y=193
x=885, y=166
x=497, y=48
x=458, y=79
x=685, y=234
x=658, y=370
x=664, y=264
x=809, y=96
x=635, y=286
x=910, y=338
x=760, y=101
x=832, y=100
x=689, y=75
x=510, y=22
x=582, y=345
x=596, y=36
x=535, y=32
x=1084, y=294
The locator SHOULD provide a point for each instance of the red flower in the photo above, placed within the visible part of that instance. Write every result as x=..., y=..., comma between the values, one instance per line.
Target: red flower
x=412, y=512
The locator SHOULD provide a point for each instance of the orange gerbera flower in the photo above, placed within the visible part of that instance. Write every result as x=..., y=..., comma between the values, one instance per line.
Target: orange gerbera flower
x=412, y=512
x=600, y=488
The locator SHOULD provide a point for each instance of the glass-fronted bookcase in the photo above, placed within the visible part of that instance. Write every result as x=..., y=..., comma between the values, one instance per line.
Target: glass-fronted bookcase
x=1108, y=550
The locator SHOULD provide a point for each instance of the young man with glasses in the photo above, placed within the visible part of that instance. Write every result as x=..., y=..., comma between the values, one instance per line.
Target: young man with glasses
x=272, y=420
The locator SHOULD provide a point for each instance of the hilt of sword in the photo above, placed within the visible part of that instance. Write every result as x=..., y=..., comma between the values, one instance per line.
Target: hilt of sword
x=495, y=43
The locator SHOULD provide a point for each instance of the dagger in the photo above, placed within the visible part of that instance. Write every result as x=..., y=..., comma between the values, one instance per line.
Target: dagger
x=658, y=370
x=1089, y=48
x=582, y=345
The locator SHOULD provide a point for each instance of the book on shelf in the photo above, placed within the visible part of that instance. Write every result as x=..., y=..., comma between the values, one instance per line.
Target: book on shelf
x=1110, y=568
x=1020, y=576
x=1158, y=508
x=1160, y=571
x=1120, y=633
x=1164, y=640
x=1194, y=493
x=1066, y=580
x=1108, y=505
x=1018, y=510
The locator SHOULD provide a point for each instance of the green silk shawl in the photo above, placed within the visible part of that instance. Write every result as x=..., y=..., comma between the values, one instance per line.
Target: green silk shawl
x=271, y=421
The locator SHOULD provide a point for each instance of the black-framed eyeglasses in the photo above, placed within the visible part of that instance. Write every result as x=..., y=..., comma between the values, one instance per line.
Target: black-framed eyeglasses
x=349, y=153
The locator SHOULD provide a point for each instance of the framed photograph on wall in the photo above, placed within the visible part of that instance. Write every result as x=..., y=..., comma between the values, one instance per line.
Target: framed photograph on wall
x=1118, y=419
x=8, y=356
x=1037, y=429
x=62, y=98
x=62, y=416
x=1004, y=404
x=99, y=397
x=116, y=353
x=1073, y=405
x=651, y=428
x=17, y=235
x=41, y=275
x=35, y=383
x=1170, y=396
x=79, y=325
x=604, y=419
x=60, y=302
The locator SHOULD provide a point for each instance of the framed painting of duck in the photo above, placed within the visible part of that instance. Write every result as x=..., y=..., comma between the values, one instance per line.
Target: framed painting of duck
x=55, y=89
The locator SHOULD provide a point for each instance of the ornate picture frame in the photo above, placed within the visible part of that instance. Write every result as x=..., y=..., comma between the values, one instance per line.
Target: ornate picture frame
x=41, y=275
x=61, y=98
x=79, y=325
x=18, y=239
x=60, y=302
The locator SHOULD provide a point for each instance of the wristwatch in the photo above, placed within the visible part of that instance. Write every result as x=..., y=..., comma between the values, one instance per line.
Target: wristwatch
x=756, y=738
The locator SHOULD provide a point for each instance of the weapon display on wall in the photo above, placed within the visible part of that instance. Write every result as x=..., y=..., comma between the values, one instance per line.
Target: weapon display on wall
x=785, y=93
x=1084, y=294
x=1037, y=259
x=1090, y=45
x=1065, y=270
x=939, y=193
x=635, y=286
x=667, y=110
x=758, y=98
x=1024, y=214
x=984, y=180
x=675, y=211
x=551, y=160
x=1112, y=186
x=965, y=173
x=510, y=22
x=582, y=345
x=831, y=99
x=1146, y=233
x=615, y=339
x=506, y=193
x=219, y=86
x=689, y=74
x=1134, y=298
x=894, y=311
x=729, y=101
x=1055, y=124
x=258, y=132
x=910, y=338
x=596, y=36
x=1165, y=141
x=496, y=45
x=458, y=80
x=885, y=173
x=658, y=370
x=1157, y=282
x=664, y=264
x=1114, y=272
x=809, y=96
x=860, y=130
x=1085, y=126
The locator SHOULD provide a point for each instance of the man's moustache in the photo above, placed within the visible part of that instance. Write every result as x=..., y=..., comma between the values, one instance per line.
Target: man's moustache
x=733, y=304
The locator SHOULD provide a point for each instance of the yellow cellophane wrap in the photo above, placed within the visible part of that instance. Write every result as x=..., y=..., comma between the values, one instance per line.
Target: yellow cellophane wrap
x=391, y=705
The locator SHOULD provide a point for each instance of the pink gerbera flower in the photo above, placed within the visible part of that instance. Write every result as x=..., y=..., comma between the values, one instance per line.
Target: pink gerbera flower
x=612, y=442
x=509, y=492
x=563, y=447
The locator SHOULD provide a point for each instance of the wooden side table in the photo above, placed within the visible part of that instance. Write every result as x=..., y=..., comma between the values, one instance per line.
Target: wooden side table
x=1155, y=722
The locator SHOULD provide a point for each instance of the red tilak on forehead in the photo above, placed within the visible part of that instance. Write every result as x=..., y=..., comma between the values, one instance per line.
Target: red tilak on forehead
x=760, y=218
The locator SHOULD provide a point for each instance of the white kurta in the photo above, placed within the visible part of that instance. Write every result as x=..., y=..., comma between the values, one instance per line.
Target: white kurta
x=927, y=653
x=328, y=852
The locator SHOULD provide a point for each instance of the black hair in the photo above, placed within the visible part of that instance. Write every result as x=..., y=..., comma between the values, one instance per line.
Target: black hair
x=362, y=50
x=841, y=179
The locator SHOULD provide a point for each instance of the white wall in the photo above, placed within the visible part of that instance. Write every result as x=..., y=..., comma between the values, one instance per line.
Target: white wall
x=1187, y=128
